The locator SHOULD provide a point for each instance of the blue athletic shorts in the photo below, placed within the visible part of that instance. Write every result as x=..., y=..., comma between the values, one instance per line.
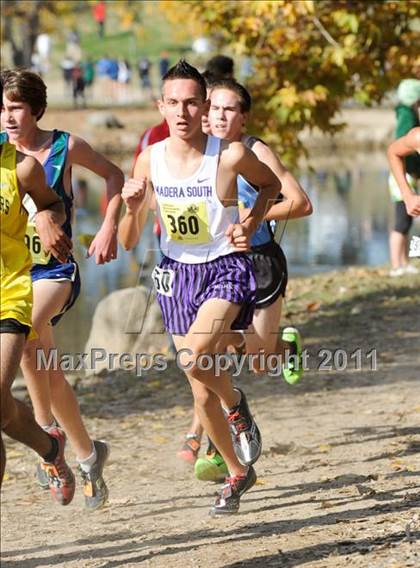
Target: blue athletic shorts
x=59, y=273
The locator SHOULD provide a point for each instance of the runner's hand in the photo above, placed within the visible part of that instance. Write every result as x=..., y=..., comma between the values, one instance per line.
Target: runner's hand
x=105, y=244
x=412, y=205
x=239, y=236
x=54, y=240
x=133, y=193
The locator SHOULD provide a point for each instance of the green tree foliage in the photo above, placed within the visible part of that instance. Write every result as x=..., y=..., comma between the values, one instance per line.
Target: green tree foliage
x=309, y=57
x=23, y=20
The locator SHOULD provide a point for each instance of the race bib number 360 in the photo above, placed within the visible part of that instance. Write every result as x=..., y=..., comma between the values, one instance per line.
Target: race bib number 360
x=33, y=242
x=163, y=279
x=186, y=223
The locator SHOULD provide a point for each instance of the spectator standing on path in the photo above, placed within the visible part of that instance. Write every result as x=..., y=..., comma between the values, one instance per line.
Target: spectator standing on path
x=102, y=66
x=43, y=47
x=407, y=118
x=88, y=73
x=113, y=69
x=105, y=68
x=73, y=49
x=143, y=67
x=163, y=64
x=67, y=65
x=99, y=14
x=124, y=78
x=78, y=86
x=36, y=63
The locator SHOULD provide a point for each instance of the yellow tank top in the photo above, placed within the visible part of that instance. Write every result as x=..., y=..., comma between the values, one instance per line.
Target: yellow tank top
x=16, y=284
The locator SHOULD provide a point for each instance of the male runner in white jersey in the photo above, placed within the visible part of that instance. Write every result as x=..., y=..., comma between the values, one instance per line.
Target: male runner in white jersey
x=205, y=284
x=397, y=151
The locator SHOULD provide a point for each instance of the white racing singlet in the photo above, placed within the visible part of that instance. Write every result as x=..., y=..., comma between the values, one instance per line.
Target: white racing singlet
x=193, y=220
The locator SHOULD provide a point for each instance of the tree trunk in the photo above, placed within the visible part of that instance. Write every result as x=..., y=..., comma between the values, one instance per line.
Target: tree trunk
x=29, y=30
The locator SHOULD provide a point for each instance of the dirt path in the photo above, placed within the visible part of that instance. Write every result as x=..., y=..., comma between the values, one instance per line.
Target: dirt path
x=338, y=479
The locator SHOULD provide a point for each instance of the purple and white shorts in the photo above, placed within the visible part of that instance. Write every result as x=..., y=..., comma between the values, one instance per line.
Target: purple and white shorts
x=182, y=288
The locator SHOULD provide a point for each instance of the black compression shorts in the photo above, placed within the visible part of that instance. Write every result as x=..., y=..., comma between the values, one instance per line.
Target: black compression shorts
x=11, y=325
x=270, y=268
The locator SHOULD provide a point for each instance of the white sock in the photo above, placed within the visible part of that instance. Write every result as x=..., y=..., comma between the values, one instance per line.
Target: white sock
x=244, y=474
x=88, y=462
x=51, y=426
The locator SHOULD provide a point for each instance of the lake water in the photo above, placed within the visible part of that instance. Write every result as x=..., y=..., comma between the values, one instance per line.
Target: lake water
x=349, y=226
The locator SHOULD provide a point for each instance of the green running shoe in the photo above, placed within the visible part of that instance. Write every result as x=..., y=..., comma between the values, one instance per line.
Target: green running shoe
x=211, y=468
x=293, y=368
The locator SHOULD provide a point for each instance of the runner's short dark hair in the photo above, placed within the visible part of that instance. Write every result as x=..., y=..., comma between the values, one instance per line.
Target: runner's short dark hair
x=183, y=70
x=245, y=100
x=220, y=66
x=210, y=79
x=23, y=85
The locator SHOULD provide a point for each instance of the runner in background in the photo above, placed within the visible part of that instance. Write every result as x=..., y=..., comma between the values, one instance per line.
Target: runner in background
x=99, y=14
x=398, y=151
x=56, y=284
x=407, y=115
x=21, y=175
x=230, y=105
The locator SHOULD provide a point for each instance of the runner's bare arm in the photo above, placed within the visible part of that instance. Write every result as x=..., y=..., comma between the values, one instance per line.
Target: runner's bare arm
x=296, y=203
x=244, y=162
x=397, y=151
x=104, y=244
x=51, y=214
x=137, y=195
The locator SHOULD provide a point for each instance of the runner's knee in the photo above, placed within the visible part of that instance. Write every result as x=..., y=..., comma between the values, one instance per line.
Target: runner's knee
x=29, y=350
x=197, y=360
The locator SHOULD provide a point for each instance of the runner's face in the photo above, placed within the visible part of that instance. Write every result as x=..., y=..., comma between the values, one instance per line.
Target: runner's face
x=182, y=106
x=225, y=116
x=17, y=119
